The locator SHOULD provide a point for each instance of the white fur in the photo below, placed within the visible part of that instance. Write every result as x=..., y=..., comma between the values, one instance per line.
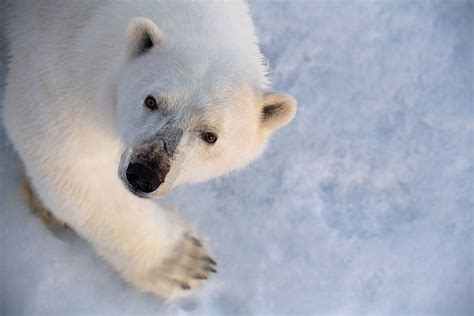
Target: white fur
x=73, y=106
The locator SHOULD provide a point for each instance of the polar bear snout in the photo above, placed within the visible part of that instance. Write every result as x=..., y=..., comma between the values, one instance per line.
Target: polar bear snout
x=142, y=177
x=147, y=170
x=146, y=165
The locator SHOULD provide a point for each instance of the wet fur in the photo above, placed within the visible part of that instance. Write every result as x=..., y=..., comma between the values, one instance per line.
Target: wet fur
x=38, y=208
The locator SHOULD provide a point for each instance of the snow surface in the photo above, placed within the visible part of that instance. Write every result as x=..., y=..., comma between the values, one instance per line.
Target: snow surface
x=363, y=205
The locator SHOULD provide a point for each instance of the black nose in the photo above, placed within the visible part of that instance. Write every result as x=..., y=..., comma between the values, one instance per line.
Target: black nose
x=143, y=178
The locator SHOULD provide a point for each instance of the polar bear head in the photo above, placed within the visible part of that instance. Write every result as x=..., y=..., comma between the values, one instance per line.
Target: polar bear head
x=189, y=111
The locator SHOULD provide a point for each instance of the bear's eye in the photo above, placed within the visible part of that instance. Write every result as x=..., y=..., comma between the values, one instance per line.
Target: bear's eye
x=209, y=137
x=151, y=103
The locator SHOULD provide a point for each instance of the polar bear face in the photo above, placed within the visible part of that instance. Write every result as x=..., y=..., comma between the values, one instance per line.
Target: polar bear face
x=187, y=115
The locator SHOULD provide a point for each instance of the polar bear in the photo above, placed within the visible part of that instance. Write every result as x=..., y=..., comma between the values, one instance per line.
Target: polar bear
x=111, y=103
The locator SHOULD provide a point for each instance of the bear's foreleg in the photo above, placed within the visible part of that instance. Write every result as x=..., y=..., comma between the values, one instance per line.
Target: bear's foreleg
x=149, y=245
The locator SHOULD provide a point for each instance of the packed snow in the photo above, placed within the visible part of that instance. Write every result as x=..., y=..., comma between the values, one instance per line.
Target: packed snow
x=362, y=205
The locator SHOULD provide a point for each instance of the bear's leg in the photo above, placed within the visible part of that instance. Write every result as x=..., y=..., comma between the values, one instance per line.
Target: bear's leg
x=149, y=245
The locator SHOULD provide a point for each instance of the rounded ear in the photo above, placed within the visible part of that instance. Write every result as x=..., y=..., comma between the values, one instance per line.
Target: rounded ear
x=277, y=111
x=142, y=35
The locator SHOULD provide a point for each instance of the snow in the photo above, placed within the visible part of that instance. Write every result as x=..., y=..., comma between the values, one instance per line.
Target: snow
x=363, y=205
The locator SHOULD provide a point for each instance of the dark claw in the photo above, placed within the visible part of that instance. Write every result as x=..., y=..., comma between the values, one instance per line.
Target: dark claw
x=200, y=277
x=209, y=260
x=210, y=269
x=196, y=242
x=185, y=286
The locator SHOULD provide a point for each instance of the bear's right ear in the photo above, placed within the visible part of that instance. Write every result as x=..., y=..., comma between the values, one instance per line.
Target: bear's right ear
x=142, y=35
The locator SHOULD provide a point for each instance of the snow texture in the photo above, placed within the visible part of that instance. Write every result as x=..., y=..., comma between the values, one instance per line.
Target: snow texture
x=363, y=205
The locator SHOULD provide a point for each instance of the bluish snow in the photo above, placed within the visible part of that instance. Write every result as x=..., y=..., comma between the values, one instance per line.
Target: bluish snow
x=363, y=205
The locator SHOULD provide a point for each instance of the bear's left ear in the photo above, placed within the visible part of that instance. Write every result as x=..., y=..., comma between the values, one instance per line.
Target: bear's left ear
x=277, y=111
x=142, y=35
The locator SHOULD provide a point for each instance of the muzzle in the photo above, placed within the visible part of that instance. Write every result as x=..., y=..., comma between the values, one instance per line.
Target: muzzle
x=151, y=160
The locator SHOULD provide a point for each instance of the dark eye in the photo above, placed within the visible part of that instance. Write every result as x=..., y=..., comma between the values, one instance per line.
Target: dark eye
x=209, y=137
x=151, y=103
